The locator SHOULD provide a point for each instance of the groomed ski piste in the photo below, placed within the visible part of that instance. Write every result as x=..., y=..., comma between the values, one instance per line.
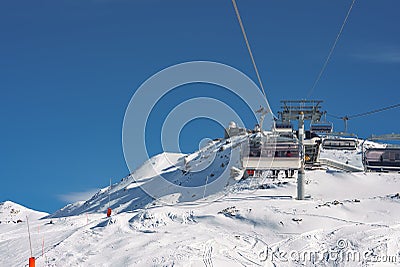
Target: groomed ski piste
x=349, y=219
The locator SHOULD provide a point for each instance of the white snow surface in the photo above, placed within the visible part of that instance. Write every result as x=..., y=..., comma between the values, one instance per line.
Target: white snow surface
x=11, y=212
x=255, y=222
x=349, y=157
x=161, y=175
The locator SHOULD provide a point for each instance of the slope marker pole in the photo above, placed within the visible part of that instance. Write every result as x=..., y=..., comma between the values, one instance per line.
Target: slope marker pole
x=109, y=189
x=42, y=246
x=205, y=187
x=31, y=259
x=29, y=235
x=109, y=209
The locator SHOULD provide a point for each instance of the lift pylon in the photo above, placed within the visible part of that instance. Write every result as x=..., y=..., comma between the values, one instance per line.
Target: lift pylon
x=301, y=110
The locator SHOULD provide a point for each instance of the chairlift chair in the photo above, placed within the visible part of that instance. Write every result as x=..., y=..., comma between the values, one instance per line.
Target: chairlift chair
x=271, y=153
x=383, y=158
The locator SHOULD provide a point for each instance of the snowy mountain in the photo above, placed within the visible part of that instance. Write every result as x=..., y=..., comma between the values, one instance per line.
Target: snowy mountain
x=350, y=219
x=11, y=212
x=160, y=177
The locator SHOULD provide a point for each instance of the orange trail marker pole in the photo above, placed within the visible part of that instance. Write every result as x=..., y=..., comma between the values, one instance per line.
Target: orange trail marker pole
x=32, y=262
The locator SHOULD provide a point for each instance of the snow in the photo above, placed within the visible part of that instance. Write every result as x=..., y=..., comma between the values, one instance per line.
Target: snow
x=255, y=222
x=351, y=158
x=11, y=212
x=163, y=177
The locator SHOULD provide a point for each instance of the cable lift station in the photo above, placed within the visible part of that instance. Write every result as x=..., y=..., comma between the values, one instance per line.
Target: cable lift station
x=284, y=149
x=268, y=153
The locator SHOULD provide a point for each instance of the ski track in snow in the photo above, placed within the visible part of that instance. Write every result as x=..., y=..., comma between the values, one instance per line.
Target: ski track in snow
x=207, y=256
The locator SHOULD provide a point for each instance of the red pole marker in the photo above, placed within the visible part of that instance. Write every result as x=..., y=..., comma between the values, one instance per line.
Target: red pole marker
x=32, y=262
x=109, y=209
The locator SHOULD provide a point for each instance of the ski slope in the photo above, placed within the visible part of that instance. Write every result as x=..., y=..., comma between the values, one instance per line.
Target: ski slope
x=11, y=212
x=253, y=222
x=163, y=177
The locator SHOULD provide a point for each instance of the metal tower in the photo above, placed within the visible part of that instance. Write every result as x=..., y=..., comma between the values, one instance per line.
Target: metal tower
x=301, y=110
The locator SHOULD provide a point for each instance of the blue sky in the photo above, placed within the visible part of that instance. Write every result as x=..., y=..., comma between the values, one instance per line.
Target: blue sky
x=69, y=69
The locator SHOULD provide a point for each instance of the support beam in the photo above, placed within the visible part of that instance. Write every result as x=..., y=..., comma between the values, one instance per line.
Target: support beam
x=301, y=174
x=301, y=110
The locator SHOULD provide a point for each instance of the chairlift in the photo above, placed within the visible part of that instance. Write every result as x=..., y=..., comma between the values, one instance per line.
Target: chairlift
x=340, y=141
x=271, y=153
x=321, y=127
x=383, y=158
x=283, y=126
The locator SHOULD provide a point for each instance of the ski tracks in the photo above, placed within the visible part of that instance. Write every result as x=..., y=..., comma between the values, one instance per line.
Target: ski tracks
x=207, y=255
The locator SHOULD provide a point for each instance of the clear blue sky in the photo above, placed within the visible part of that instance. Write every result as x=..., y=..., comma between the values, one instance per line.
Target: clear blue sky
x=69, y=68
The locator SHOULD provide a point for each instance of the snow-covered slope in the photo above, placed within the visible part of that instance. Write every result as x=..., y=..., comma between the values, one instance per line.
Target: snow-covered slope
x=255, y=222
x=11, y=212
x=352, y=158
x=248, y=226
x=163, y=177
